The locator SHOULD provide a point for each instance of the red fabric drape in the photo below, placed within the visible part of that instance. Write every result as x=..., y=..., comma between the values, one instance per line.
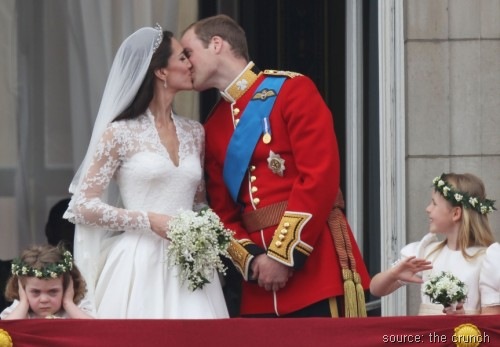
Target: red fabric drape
x=433, y=331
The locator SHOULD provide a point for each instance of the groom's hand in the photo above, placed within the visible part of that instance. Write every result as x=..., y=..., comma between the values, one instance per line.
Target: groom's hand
x=270, y=274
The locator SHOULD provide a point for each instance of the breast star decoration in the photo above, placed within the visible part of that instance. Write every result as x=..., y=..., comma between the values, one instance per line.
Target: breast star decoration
x=276, y=163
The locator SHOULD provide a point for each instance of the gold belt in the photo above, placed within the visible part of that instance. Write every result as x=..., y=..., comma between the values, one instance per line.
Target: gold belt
x=271, y=215
x=264, y=217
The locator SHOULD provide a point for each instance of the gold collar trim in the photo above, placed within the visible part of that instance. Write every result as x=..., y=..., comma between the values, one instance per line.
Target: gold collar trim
x=241, y=83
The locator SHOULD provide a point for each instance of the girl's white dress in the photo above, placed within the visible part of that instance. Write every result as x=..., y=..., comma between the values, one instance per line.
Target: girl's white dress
x=452, y=261
x=489, y=279
x=129, y=276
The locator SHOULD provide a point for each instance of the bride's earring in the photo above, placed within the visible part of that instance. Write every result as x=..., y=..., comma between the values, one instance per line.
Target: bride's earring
x=165, y=84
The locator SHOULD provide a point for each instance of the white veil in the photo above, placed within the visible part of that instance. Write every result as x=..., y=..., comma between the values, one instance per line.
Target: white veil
x=125, y=77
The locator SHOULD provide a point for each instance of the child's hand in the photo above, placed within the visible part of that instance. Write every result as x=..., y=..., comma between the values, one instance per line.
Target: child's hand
x=458, y=310
x=22, y=292
x=72, y=309
x=69, y=294
x=407, y=269
x=21, y=310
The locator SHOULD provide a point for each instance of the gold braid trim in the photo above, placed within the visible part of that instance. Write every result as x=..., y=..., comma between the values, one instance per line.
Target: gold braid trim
x=354, y=296
x=304, y=249
x=240, y=256
x=286, y=237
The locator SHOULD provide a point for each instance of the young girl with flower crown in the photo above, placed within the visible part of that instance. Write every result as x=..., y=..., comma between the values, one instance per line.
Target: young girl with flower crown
x=45, y=284
x=458, y=212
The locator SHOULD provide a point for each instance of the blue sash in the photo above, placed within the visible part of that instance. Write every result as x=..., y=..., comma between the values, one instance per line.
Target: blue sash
x=247, y=133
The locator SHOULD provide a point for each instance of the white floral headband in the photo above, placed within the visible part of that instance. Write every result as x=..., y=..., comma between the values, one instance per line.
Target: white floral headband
x=459, y=198
x=54, y=270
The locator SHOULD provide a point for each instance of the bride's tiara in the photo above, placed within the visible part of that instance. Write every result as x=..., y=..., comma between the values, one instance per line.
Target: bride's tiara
x=159, y=36
x=460, y=198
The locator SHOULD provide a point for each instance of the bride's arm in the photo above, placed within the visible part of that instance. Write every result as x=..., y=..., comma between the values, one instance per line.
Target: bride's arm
x=88, y=206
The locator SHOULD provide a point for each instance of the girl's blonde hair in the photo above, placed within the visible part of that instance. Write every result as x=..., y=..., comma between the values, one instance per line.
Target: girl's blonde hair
x=39, y=257
x=474, y=229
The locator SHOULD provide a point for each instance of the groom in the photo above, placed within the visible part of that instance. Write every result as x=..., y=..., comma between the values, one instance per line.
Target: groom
x=273, y=177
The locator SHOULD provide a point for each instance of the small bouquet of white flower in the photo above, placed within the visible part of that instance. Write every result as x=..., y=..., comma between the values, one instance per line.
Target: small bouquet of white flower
x=445, y=289
x=198, y=240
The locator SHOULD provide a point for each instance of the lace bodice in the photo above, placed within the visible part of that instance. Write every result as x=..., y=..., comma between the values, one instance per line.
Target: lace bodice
x=131, y=153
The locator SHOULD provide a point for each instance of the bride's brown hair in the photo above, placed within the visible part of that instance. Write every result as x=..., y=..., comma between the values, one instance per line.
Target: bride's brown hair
x=145, y=93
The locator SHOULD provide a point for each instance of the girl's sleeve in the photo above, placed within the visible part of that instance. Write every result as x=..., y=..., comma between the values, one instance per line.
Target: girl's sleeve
x=418, y=248
x=7, y=311
x=86, y=306
x=489, y=277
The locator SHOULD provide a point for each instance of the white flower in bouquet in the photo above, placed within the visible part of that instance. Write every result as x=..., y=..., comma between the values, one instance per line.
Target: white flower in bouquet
x=445, y=289
x=198, y=240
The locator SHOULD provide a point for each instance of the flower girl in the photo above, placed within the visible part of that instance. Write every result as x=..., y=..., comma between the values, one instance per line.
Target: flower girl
x=457, y=211
x=45, y=284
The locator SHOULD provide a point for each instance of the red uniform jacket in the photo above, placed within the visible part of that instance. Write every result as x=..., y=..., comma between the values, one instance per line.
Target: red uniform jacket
x=307, y=178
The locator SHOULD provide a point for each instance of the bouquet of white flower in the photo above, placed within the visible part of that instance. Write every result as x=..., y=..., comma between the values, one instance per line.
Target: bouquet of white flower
x=198, y=240
x=445, y=289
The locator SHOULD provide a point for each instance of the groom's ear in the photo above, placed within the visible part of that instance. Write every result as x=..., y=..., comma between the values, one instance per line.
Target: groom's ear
x=216, y=43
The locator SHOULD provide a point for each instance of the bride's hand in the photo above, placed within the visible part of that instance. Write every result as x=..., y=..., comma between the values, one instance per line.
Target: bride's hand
x=159, y=223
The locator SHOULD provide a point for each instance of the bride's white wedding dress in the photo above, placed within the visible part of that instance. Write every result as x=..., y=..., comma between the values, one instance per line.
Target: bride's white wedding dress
x=131, y=278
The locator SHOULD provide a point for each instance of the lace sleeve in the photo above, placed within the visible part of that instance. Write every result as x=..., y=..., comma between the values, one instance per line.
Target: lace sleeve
x=89, y=205
x=200, y=198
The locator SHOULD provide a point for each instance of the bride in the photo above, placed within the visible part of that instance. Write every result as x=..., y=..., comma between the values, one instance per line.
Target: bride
x=144, y=164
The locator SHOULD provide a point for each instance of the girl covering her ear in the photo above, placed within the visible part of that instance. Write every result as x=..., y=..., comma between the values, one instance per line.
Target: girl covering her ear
x=46, y=284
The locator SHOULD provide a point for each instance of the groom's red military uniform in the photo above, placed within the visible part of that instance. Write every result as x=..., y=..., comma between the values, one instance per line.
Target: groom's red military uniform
x=294, y=169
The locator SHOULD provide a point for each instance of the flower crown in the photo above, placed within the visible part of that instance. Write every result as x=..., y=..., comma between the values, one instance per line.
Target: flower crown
x=54, y=270
x=459, y=198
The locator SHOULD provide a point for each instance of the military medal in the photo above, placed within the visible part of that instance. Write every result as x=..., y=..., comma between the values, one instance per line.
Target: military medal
x=266, y=138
